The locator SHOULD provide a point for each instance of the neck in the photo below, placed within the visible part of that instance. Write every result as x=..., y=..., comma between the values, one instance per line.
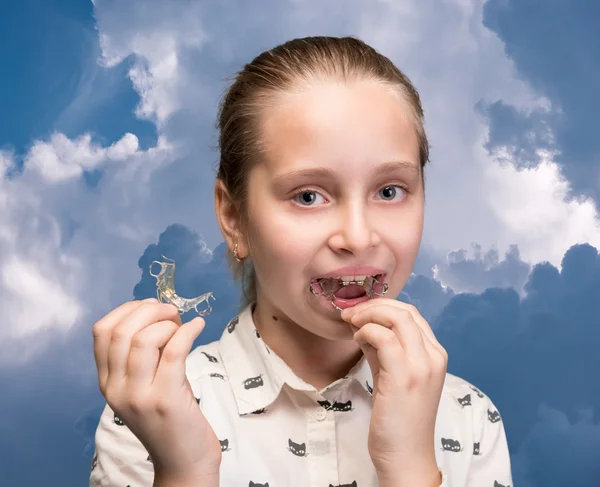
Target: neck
x=316, y=360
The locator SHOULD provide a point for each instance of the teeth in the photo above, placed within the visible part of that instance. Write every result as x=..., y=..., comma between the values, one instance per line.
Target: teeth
x=348, y=278
x=353, y=278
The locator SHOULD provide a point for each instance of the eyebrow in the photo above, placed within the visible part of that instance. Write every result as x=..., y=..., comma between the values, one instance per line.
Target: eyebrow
x=326, y=173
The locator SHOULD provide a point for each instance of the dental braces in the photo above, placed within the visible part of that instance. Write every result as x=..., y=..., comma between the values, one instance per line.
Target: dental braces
x=330, y=285
x=165, y=292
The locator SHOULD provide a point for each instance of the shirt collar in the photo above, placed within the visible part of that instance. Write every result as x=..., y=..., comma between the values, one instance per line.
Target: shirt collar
x=257, y=374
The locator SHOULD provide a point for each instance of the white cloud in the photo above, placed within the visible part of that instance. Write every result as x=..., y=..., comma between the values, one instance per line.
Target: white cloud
x=475, y=274
x=41, y=296
x=62, y=159
x=6, y=162
x=62, y=246
x=156, y=33
x=531, y=207
x=56, y=232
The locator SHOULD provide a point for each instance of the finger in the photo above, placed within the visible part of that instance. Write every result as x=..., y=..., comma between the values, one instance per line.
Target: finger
x=369, y=352
x=171, y=368
x=388, y=354
x=401, y=323
x=145, y=352
x=101, y=331
x=123, y=332
x=432, y=345
x=419, y=320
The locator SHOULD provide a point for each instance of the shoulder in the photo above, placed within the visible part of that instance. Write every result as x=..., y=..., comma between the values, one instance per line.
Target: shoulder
x=457, y=388
x=459, y=395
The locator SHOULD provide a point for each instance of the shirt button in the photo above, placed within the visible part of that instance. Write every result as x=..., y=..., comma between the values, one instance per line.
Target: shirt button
x=321, y=414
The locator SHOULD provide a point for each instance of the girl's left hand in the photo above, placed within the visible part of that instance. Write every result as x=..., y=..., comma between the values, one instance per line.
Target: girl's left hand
x=409, y=368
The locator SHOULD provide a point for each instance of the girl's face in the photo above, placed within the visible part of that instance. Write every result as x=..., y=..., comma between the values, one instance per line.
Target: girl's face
x=339, y=185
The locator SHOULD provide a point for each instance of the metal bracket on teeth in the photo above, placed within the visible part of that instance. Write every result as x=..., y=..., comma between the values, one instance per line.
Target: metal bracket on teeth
x=329, y=286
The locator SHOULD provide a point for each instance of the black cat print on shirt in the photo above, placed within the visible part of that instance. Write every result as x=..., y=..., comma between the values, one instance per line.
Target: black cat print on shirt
x=451, y=445
x=118, y=420
x=475, y=448
x=253, y=484
x=337, y=406
x=353, y=484
x=465, y=401
x=478, y=392
x=258, y=411
x=232, y=324
x=210, y=358
x=369, y=388
x=498, y=484
x=298, y=449
x=217, y=375
x=493, y=416
x=225, y=445
x=253, y=382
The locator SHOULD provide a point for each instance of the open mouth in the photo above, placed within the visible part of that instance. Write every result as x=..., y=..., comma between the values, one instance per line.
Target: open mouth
x=348, y=287
x=346, y=291
x=350, y=291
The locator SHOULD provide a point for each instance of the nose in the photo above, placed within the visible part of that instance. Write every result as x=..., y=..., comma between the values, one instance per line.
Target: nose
x=356, y=232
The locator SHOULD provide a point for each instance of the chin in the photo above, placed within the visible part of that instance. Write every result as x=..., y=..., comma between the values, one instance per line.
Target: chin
x=334, y=327
x=336, y=333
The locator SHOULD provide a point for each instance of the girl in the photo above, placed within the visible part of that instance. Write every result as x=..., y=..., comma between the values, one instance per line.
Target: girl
x=320, y=379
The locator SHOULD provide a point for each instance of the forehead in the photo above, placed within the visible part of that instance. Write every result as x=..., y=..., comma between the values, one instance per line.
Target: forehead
x=335, y=124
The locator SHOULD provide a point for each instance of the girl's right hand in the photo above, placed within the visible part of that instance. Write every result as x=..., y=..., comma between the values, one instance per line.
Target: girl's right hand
x=140, y=350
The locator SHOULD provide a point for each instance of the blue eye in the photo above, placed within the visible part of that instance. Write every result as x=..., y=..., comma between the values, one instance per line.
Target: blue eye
x=394, y=191
x=302, y=194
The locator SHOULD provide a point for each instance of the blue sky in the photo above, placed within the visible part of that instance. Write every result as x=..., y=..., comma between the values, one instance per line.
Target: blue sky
x=51, y=47
x=108, y=105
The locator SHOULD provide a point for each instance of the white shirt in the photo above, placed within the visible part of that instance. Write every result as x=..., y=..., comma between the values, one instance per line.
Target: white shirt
x=277, y=430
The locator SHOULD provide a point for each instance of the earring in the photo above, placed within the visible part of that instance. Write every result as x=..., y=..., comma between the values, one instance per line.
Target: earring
x=235, y=252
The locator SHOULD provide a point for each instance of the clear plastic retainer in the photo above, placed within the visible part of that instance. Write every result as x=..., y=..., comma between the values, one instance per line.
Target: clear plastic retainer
x=165, y=290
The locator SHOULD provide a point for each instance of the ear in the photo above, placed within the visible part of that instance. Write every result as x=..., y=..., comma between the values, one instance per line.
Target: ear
x=229, y=220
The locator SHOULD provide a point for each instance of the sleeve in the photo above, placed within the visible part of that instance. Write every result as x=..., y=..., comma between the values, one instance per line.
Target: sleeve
x=491, y=465
x=120, y=459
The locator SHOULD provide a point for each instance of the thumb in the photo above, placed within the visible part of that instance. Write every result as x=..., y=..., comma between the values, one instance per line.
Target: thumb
x=198, y=324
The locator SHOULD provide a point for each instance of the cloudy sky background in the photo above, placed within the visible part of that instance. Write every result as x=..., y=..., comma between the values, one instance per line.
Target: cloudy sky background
x=107, y=160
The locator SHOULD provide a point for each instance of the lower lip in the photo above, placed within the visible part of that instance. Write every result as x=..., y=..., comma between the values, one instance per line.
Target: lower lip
x=345, y=303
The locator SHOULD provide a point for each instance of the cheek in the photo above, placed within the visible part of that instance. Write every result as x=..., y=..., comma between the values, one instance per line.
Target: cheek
x=282, y=240
x=281, y=247
x=406, y=236
x=404, y=244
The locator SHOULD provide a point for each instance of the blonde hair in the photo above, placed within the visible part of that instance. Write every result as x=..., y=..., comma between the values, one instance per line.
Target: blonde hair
x=281, y=70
